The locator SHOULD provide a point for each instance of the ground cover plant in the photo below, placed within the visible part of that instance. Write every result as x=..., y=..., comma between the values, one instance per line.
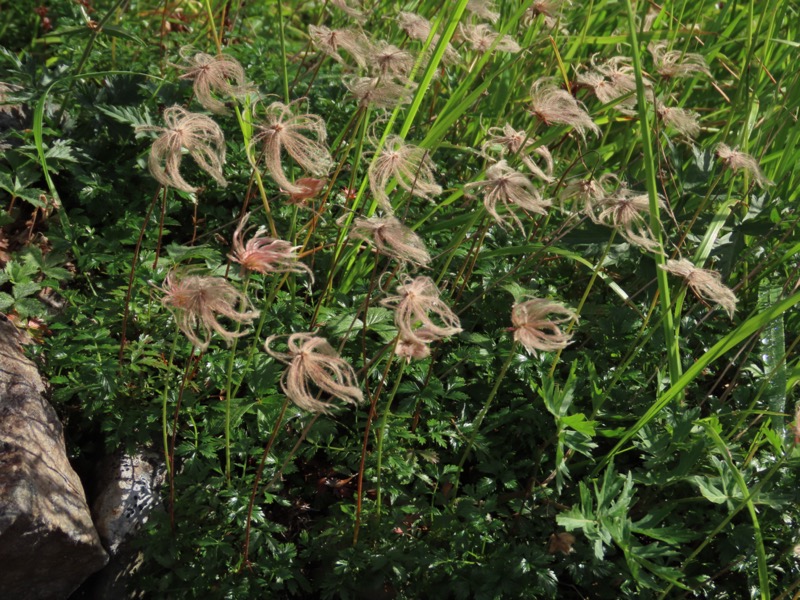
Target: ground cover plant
x=462, y=299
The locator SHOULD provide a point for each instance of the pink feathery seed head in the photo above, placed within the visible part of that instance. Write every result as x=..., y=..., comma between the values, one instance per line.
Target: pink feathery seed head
x=683, y=121
x=415, y=26
x=628, y=212
x=197, y=301
x=705, y=283
x=675, y=63
x=553, y=105
x=330, y=41
x=416, y=299
x=550, y=10
x=263, y=254
x=535, y=331
x=352, y=8
x=507, y=186
x=741, y=161
x=196, y=133
x=516, y=142
x=214, y=75
x=392, y=238
x=314, y=365
x=286, y=131
x=483, y=9
x=611, y=80
x=410, y=166
x=310, y=187
x=482, y=36
x=381, y=92
x=590, y=193
x=388, y=59
x=412, y=350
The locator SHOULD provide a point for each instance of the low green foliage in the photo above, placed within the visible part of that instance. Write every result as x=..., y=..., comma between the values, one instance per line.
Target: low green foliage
x=411, y=309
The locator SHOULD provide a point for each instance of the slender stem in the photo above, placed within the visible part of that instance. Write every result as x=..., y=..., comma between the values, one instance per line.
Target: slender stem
x=284, y=69
x=185, y=378
x=382, y=430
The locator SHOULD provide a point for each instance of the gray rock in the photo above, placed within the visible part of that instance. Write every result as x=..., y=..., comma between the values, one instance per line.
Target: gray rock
x=48, y=543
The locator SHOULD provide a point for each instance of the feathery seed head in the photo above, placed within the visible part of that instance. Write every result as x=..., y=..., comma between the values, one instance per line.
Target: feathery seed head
x=313, y=362
x=419, y=28
x=518, y=142
x=550, y=10
x=210, y=75
x=553, y=105
x=683, y=121
x=705, y=283
x=196, y=301
x=409, y=165
x=504, y=184
x=264, y=254
x=381, y=92
x=353, y=11
x=482, y=36
x=483, y=9
x=674, y=63
x=628, y=211
x=412, y=350
x=329, y=41
x=198, y=134
x=284, y=130
x=309, y=186
x=416, y=299
x=391, y=238
x=535, y=331
x=736, y=160
x=388, y=59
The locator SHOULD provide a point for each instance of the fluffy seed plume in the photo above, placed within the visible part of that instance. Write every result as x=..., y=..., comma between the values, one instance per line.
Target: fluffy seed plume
x=419, y=28
x=353, y=11
x=330, y=41
x=507, y=186
x=553, y=105
x=416, y=299
x=196, y=301
x=516, y=142
x=388, y=60
x=590, y=193
x=741, y=161
x=313, y=362
x=674, y=63
x=196, y=133
x=263, y=254
x=482, y=36
x=409, y=165
x=379, y=91
x=412, y=350
x=550, y=11
x=214, y=75
x=681, y=120
x=627, y=212
x=705, y=283
x=483, y=9
x=535, y=331
x=392, y=238
x=612, y=80
x=284, y=130
x=309, y=186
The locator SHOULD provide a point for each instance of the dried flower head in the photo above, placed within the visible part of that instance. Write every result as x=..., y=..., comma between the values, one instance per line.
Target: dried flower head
x=627, y=212
x=553, y=105
x=330, y=41
x=412, y=350
x=561, y=542
x=419, y=28
x=590, y=193
x=685, y=122
x=516, y=142
x=409, y=165
x=220, y=75
x=504, y=184
x=264, y=254
x=284, y=130
x=741, y=161
x=535, y=331
x=612, y=80
x=196, y=301
x=196, y=133
x=481, y=37
x=483, y=9
x=388, y=60
x=675, y=63
x=415, y=300
x=310, y=188
x=705, y=283
x=313, y=362
x=382, y=92
x=550, y=10
x=391, y=238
